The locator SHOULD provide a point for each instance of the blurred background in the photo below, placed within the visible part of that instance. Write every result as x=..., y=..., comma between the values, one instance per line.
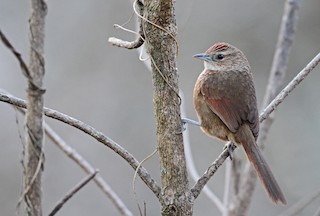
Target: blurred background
x=110, y=89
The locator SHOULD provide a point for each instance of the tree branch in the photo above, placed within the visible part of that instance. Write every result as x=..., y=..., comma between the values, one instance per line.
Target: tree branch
x=189, y=158
x=301, y=204
x=203, y=180
x=317, y=213
x=72, y=193
x=17, y=55
x=33, y=150
x=160, y=29
x=138, y=8
x=277, y=74
x=288, y=89
x=88, y=168
x=99, y=136
x=83, y=163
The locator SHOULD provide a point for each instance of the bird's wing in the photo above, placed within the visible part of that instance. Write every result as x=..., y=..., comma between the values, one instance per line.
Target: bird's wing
x=233, y=100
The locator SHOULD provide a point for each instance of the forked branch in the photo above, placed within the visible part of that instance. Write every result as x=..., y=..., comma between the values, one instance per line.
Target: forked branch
x=99, y=136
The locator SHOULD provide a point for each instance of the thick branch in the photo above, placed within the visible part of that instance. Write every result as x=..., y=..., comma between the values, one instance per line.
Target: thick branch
x=99, y=136
x=33, y=152
x=160, y=31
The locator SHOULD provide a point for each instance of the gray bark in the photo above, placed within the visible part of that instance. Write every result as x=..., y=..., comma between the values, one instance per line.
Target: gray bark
x=160, y=30
x=33, y=155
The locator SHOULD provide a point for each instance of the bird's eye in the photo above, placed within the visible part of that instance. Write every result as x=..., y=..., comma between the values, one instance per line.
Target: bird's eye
x=220, y=56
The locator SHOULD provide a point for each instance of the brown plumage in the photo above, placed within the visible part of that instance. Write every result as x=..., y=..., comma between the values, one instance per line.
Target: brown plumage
x=226, y=105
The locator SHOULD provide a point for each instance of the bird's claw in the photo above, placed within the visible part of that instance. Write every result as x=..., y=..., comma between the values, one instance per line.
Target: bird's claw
x=189, y=121
x=230, y=147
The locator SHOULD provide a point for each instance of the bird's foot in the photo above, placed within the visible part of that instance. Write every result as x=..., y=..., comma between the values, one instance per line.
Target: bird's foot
x=189, y=121
x=230, y=147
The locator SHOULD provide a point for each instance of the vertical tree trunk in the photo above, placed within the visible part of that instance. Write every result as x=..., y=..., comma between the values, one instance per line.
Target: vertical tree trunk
x=162, y=48
x=33, y=158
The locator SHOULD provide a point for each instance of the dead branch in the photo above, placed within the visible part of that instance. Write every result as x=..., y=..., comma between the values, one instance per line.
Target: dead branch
x=278, y=70
x=72, y=193
x=139, y=9
x=33, y=150
x=301, y=204
x=99, y=136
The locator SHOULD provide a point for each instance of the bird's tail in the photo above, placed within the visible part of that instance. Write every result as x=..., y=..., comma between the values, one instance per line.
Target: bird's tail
x=260, y=165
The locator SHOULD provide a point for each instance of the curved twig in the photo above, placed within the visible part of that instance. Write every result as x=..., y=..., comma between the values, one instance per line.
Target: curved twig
x=138, y=6
x=88, y=168
x=84, y=164
x=99, y=136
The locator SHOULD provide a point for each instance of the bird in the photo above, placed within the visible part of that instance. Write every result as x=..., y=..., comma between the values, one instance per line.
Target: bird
x=225, y=102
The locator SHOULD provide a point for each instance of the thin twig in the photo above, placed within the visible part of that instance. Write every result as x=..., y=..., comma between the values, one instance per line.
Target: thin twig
x=99, y=136
x=139, y=9
x=280, y=62
x=227, y=184
x=135, y=177
x=189, y=158
x=301, y=204
x=72, y=193
x=17, y=55
x=277, y=74
x=292, y=85
x=271, y=107
x=83, y=163
x=203, y=180
x=88, y=168
x=317, y=213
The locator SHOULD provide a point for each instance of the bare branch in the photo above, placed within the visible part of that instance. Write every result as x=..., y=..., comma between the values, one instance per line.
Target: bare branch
x=139, y=9
x=292, y=85
x=264, y=115
x=317, y=213
x=135, y=177
x=301, y=204
x=88, y=168
x=99, y=136
x=189, y=158
x=236, y=174
x=23, y=65
x=83, y=163
x=196, y=189
x=227, y=184
x=278, y=70
x=280, y=60
x=72, y=193
x=160, y=24
x=33, y=150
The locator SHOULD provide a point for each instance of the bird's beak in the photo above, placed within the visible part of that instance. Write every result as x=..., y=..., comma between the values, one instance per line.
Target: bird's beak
x=203, y=56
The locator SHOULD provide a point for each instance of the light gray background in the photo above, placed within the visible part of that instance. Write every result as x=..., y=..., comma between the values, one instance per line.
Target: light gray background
x=110, y=89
